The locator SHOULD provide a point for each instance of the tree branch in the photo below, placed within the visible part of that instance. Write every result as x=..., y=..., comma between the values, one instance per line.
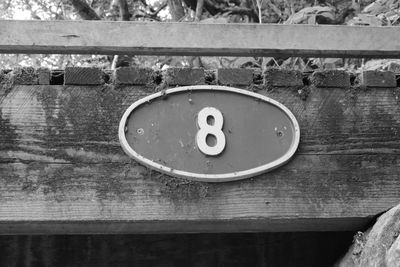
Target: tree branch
x=176, y=9
x=199, y=10
x=275, y=9
x=120, y=61
x=124, y=10
x=155, y=13
x=147, y=16
x=84, y=10
x=241, y=11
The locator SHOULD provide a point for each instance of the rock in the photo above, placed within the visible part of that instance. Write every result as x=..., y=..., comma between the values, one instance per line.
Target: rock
x=381, y=247
x=393, y=254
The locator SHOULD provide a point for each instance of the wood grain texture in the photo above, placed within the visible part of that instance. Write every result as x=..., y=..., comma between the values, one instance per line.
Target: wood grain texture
x=83, y=76
x=132, y=76
x=331, y=78
x=44, y=76
x=283, y=78
x=62, y=169
x=234, y=76
x=184, y=76
x=376, y=79
x=168, y=250
x=149, y=38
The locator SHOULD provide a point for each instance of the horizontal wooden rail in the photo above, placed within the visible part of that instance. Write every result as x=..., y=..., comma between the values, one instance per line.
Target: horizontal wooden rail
x=197, y=39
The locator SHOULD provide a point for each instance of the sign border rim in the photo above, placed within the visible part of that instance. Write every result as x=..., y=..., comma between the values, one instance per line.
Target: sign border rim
x=225, y=177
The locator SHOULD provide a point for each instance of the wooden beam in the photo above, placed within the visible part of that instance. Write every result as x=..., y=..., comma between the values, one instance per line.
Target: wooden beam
x=241, y=249
x=148, y=38
x=62, y=169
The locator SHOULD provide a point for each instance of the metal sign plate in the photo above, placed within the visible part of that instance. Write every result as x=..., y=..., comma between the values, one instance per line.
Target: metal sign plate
x=209, y=133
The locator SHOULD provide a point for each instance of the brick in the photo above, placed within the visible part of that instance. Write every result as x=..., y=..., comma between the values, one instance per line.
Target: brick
x=83, y=76
x=133, y=76
x=283, y=78
x=234, y=76
x=26, y=76
x=184, y=76
x=43, y=76
x=374, y=78
x=331, y=79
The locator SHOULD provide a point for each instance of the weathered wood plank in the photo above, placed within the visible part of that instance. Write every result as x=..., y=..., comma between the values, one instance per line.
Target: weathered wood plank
x=62, y=169
x=148, y=38
x=83, y=76
x=376, y=79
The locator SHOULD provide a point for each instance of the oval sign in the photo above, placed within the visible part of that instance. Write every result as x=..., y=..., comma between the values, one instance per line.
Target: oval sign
x=209, y=133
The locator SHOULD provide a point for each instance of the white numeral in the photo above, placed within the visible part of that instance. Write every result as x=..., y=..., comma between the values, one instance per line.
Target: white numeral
x=214, y=129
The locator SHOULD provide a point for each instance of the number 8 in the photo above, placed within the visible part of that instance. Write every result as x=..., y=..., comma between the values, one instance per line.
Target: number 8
x=206, y=129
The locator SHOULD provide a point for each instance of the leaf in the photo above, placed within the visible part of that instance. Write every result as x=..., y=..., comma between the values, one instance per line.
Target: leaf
x=366, y=19
x=237, y=62
x=245, y=62
x=380, y=64
x=215, y=20
x=379, y=6
x=307, y=15
x=327, y=63
x=210, y=62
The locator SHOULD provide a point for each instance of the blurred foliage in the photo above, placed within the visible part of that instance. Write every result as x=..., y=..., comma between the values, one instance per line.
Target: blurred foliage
x=355, y=12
